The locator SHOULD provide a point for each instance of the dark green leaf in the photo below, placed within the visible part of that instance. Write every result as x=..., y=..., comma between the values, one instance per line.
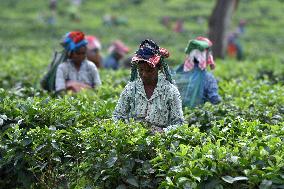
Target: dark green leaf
x=122, y=186
x=265, y=184
x=111, y=161
x=132, y=181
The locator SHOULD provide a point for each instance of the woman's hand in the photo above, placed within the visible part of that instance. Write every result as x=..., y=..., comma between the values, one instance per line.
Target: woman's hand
x=75, y=86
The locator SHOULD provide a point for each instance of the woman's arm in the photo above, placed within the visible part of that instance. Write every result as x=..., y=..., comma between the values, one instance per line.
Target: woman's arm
x=175, y=105
x=211, y=89
x=76, y=86
x=122, y=108
x=60, y=84
x=95, y=75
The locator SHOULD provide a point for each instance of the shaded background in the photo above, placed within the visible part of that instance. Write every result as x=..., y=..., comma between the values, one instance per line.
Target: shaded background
x=23, y=24
x=25, y=34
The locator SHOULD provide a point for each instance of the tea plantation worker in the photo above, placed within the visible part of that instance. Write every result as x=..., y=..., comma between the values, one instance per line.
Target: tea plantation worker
x=76, y=73
x=194, y=82
x=94, y=50
x=150, y=96
x=234, y=47
x=117, y=52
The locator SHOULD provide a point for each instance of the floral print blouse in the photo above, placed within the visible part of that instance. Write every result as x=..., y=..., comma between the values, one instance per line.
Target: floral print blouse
x=163, y=109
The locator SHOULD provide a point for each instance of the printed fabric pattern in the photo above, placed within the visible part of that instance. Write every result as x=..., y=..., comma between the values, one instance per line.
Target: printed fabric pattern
x=163, y=109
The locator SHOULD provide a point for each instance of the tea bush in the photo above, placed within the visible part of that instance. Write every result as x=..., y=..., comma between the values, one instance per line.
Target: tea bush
x=72, y=142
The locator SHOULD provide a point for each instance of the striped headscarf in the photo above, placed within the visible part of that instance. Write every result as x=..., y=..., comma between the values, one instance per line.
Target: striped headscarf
x=200, y=50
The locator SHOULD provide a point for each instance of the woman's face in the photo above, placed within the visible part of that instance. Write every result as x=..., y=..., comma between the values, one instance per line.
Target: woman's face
x=94, y=56
x=148, y=74
x=79, y=55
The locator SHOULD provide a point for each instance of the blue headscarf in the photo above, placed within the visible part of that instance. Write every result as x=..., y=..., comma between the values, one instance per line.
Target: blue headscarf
x=74, y=40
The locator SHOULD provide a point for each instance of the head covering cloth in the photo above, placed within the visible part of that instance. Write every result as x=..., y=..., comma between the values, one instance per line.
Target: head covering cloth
x=118, y=47
x=93, y=42
x=199, y=50
x=74, y=40
x=151, y=53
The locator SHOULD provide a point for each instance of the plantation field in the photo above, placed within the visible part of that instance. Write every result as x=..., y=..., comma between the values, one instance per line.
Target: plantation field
x=71, y=141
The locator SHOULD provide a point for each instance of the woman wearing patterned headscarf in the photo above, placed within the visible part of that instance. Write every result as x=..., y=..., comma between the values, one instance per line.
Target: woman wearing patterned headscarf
x=195, y=84
x=76, y=73
x=150, y=96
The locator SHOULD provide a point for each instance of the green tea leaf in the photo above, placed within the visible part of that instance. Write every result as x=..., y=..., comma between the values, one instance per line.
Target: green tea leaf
x=265, y=184
x=132, y=181
x=111, y=161
x=231, y=180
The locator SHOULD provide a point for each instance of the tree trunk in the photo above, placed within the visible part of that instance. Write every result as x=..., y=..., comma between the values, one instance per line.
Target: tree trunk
x=219, y=23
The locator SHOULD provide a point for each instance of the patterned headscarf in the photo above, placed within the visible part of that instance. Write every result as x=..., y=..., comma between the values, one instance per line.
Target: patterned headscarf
x=74, y=40
x=151, y=53
x=200, y=50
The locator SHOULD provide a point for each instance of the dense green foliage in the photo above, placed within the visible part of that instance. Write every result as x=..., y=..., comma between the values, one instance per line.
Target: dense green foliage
x=71, y=141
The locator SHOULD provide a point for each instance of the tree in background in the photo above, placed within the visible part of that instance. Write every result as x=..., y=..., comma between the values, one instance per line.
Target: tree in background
x=219, y=23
